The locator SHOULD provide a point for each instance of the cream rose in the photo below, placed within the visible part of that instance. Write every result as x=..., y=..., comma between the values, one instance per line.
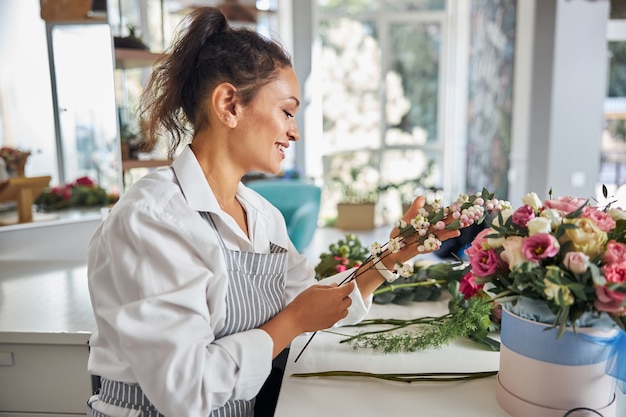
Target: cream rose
x=512, y=253
x=538, y=225
x=586, y=238
x=532, y=200
x=505, y=215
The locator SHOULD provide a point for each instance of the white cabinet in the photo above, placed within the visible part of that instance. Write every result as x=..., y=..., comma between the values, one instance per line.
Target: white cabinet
x=45, y=324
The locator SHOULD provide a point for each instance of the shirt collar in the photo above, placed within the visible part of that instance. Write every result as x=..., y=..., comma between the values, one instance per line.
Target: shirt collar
x=197, y=190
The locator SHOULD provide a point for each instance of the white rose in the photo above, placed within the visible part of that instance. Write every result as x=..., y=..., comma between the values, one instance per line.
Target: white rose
x=505, y=215
x=553, y=216
x=532, y=200
x=617, y=214
x=538, y=225
x=494, y=242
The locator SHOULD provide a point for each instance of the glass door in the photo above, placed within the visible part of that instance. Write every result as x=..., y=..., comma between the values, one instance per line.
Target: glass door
x=83, y=92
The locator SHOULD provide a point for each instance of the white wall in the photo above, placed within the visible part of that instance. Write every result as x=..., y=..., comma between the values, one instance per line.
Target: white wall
x=561, y=75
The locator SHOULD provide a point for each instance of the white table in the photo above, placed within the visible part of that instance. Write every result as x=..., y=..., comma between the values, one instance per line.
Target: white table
x=350, y=396
x=45, y=324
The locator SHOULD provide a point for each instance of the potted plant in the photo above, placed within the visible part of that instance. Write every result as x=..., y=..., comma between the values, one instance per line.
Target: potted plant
x=15, y=160
x=408, y=189
x=356, y=208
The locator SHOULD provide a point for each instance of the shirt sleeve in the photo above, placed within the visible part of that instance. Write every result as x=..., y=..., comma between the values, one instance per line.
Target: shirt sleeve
x=157, y=298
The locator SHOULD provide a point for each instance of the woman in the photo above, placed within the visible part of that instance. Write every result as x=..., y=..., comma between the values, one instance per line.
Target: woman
x=194, y=283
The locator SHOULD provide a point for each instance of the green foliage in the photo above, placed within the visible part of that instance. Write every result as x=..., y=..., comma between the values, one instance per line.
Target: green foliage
x=421, y=286
x=81, y=193
x=471, y=319
x=346, y=253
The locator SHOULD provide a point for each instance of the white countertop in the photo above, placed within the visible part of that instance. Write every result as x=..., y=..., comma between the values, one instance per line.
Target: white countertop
x=304, y=397
x=44, y=302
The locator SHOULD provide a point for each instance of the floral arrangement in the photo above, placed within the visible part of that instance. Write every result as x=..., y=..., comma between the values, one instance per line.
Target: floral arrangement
x=465, y=211
x=83, y=192
x=11, y=155
x=563, y=253
x=15, y=160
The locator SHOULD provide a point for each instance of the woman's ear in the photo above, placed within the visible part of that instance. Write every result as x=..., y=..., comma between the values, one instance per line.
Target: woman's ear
x=225, y=100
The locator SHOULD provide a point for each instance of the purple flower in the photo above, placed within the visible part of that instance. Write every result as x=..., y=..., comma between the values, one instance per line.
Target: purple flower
x=484, y=262
x=540, y=246
x=522, y=215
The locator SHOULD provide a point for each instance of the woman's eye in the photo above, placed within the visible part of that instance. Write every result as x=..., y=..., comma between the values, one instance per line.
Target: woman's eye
x=289, y=115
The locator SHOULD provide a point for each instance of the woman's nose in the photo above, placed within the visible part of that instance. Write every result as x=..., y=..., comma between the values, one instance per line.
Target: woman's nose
x=293, y=133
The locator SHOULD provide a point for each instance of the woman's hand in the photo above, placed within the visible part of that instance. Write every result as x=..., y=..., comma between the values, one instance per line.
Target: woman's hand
x=410, y=249
x=316, y=308
x=321, y=306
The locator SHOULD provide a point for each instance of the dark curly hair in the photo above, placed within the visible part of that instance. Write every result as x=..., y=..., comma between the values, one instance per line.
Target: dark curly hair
x=206, y=51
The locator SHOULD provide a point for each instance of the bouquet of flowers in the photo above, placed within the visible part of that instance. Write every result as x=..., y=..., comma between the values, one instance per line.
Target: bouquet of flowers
x=564, y=256
x=83, y=192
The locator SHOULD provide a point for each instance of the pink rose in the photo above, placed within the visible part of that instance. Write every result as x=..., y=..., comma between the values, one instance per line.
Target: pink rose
x=522, y=215
x=65, y=192
x=576, y=262
x=614, y=252
x=468, y=286
x=340, y=268
x=484, y=262
x=540, y=246
x=565, y=204
x=606, y=300
x=512, y=253
x=85, y=181
x=609, y=300
x=479, y=243
x=604, y=221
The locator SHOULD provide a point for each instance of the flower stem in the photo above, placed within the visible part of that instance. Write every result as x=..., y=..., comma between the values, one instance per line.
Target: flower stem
x=403, y=377
x=394, y=287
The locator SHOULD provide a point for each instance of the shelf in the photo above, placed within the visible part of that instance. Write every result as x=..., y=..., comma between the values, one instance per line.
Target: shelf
x=134, y=58
x=148, y=163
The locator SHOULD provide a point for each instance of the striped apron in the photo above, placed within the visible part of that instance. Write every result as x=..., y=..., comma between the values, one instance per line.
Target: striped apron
x=256, y=284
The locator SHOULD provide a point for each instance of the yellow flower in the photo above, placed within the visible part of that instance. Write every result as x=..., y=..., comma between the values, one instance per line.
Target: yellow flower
x=561, y=295
x=551, y=290
x=586, y=238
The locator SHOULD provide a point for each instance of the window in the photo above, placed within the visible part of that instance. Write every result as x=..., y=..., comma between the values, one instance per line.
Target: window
x=380, y=66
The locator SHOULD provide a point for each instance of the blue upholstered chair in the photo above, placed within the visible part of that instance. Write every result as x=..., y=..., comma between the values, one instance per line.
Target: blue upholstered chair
x=298, y=201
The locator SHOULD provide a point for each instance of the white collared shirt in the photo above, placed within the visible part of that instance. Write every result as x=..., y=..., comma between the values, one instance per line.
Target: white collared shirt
x=158, y=281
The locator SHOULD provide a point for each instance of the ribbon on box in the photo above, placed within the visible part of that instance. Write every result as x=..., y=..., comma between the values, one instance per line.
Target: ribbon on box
x=616, y=365
x=530, y=338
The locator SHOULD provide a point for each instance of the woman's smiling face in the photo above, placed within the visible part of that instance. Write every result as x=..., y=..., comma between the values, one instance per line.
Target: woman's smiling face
x=267, y=125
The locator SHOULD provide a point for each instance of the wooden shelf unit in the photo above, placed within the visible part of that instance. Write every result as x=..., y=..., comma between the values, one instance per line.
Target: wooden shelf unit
x=126, y=58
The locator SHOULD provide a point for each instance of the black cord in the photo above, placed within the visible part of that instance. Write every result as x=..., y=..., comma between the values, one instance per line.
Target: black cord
x=581, y=409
